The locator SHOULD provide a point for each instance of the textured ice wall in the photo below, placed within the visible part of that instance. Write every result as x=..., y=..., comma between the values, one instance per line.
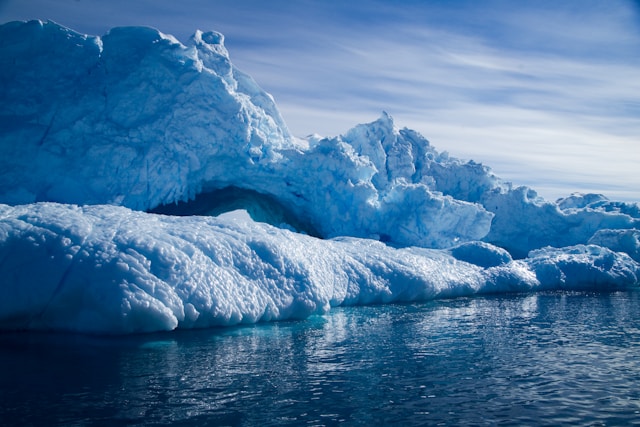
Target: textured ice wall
x=133, y=117
x=138, y=119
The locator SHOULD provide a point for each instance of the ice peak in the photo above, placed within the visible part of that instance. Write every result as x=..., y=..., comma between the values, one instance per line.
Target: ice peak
x=381, y=131
x=209, y=37
x=387, y=120
x=210, y=41
x=384, y=125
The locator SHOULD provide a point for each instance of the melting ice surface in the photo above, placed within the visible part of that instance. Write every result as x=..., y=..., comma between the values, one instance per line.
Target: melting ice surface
x=116, y=151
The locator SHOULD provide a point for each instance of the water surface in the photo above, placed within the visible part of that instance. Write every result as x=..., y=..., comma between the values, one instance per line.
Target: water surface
x=540, y=359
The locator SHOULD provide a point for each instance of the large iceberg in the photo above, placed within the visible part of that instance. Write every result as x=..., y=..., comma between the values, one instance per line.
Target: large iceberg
x=118, y=152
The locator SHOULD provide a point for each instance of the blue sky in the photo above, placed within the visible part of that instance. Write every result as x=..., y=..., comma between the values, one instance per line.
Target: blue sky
x=547, y=93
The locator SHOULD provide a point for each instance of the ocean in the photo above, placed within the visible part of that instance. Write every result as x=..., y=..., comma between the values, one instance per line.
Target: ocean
x=558, y=358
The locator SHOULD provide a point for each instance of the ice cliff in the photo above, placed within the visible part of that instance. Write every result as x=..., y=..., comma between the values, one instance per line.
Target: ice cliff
x=117, y=151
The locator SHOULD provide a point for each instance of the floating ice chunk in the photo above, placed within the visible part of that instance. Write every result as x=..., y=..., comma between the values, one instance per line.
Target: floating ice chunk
x=583, y=266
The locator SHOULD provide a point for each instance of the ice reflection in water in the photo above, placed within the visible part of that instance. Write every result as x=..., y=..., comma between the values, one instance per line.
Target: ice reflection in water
x=543, y=359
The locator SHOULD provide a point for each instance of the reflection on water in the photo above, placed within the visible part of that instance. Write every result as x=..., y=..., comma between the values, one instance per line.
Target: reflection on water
x=543, y=359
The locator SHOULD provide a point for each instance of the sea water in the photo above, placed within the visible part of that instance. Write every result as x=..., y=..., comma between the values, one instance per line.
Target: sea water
x=537, y=359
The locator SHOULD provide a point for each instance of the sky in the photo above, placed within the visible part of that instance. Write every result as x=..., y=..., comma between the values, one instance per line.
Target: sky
x=546, y=93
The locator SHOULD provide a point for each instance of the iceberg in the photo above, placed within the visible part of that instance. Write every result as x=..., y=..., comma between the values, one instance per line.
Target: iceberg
x=109, y=269
x=119, y=154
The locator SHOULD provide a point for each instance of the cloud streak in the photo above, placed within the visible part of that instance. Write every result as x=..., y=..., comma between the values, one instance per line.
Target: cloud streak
x=547, y=94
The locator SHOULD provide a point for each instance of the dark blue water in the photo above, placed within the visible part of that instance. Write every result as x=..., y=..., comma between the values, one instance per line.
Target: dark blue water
x=543, y=359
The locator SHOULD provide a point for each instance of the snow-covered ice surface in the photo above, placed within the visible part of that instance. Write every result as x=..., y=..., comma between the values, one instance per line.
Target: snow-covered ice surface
x=110, y=269
x=116, y=152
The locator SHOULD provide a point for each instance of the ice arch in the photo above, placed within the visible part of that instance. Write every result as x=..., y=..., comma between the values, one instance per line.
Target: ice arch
x=261, y=207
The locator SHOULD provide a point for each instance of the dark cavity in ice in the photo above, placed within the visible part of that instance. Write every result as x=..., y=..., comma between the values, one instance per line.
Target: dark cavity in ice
x=261, y=208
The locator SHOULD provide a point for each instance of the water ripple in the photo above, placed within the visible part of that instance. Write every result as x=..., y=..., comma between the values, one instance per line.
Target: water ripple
x=542, y=359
